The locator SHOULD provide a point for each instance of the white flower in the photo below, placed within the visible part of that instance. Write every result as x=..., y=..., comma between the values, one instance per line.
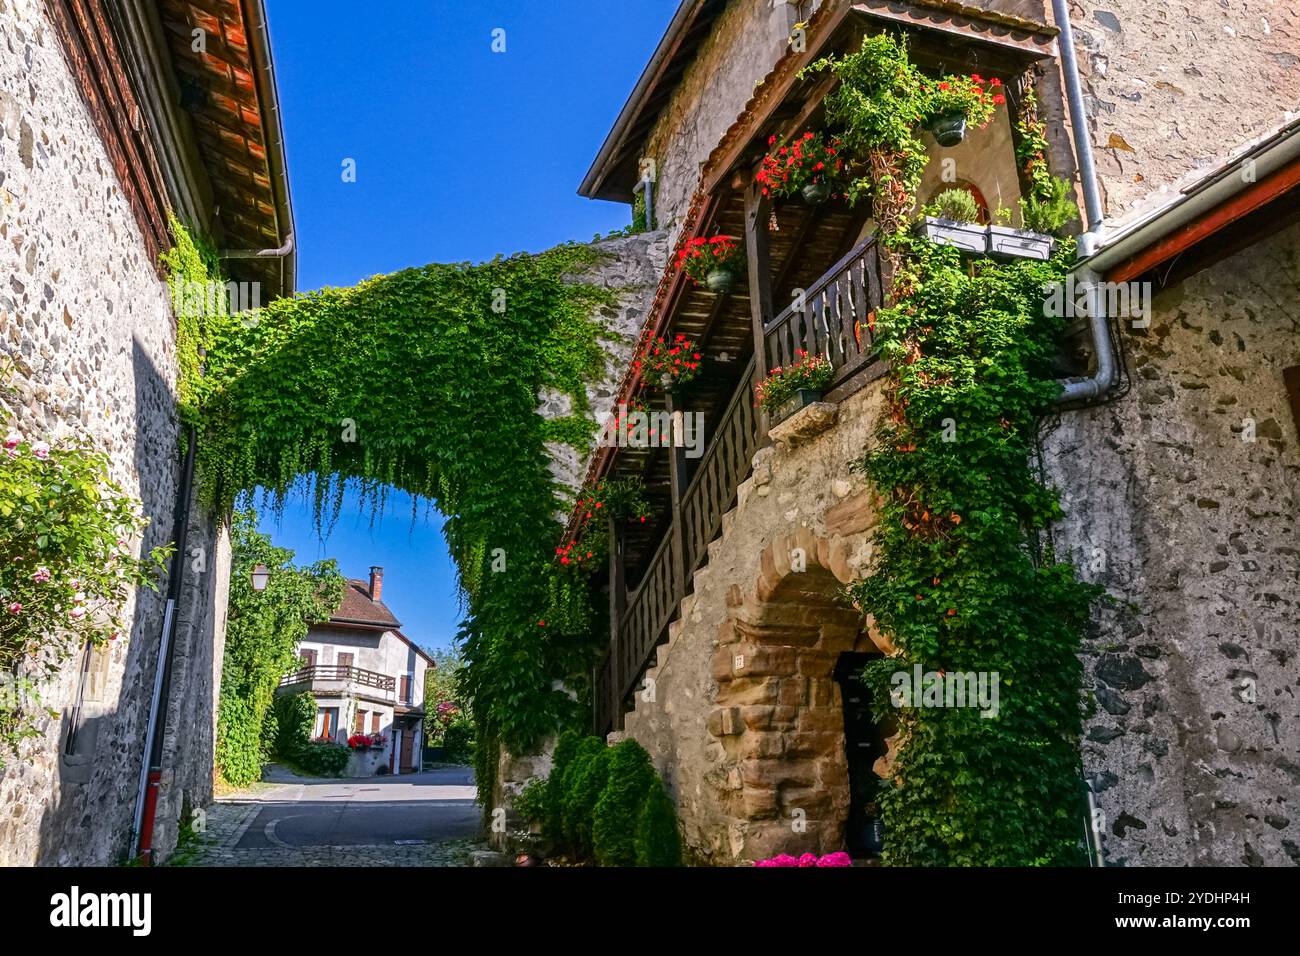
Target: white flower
x=12, y=441
x=77, y=613
x=41, y=450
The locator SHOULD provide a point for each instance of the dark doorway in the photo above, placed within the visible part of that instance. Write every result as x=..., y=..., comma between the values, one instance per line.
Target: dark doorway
x=864, y=744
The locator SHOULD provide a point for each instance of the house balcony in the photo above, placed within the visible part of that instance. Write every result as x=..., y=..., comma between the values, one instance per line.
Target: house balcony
x=332, y=680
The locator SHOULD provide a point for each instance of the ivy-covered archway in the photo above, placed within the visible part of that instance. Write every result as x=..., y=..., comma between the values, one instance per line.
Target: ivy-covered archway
x=426, y=380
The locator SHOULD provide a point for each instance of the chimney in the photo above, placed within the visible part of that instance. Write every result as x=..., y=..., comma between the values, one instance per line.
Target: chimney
x=376, y=582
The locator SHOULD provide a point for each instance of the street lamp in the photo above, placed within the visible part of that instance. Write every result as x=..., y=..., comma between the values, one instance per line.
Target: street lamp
x=261, y=574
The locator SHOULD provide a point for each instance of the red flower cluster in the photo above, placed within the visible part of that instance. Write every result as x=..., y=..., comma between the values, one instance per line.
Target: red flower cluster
x=703, y=254
x=679, y=359
x=365, y=741
x=809, y=160
x=972, y=96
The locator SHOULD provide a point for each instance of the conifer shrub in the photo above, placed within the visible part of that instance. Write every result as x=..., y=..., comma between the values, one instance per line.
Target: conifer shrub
x=566, y=749
x=583, y=783
x=657, y=840
x=630, y=780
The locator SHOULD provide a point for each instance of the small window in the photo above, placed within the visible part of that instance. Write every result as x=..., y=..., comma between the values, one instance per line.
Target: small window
x=374, y=722
x=406, y=688
x=329, y=722
x=308, y=657
x=345, y=660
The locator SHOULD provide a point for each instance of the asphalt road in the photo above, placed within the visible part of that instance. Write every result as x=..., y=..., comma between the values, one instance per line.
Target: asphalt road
x=410, y=810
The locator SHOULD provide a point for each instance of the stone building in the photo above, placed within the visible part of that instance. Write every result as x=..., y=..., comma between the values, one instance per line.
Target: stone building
x=112, y=115
x=733, y=644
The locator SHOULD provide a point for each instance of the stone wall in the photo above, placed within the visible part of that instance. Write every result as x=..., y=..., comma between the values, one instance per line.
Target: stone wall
x=1183, y=499
x=1174, y=86
x=85, y=317
x=631, y=265
x=747, y=40
x=750, y=659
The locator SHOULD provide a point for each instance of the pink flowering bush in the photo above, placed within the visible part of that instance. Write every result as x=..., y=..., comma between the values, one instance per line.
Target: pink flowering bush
x=839, y=858
x=67, y=567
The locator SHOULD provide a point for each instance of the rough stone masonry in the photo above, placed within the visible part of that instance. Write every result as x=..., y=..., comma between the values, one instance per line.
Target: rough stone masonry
x=85, y=318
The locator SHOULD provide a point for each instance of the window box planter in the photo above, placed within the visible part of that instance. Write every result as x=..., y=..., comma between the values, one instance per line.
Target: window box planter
x=966, y=236
x=802, y=398
x=720, y=281
x=1019, y=243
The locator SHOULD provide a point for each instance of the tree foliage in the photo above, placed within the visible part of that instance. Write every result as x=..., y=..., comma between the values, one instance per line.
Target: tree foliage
x=262, y=634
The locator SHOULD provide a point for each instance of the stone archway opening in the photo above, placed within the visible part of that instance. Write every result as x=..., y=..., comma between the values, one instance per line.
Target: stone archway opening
x=779, y=711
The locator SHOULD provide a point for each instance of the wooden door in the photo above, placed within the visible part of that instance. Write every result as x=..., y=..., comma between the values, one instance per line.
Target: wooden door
x=344, y=661
x=408, y=745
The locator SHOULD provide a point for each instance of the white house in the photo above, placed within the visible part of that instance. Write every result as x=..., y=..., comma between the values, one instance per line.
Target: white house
x=368, y=680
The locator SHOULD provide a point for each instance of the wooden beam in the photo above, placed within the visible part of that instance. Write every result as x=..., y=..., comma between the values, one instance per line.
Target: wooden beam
x=757, y=210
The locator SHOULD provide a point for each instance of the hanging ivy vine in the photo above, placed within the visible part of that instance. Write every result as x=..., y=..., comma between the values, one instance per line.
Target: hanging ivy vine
x=955, y=582
x=427, y=380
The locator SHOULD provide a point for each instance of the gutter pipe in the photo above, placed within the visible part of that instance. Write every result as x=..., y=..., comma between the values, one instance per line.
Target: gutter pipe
x=1104, y=378
x=151, y=762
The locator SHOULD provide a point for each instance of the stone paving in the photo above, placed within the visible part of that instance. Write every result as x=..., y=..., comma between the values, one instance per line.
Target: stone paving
x=227, y=821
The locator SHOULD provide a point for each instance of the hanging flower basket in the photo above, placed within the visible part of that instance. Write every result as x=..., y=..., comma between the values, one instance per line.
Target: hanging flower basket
x=814, y=194
x=809, y=166
x=949, y=130
x=669, y=364
x=721, y=281
x=705, y=258
x=954, y=102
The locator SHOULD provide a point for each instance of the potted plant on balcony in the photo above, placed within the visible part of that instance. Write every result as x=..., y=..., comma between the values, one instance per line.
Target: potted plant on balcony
x=714, y=262
x=954, y=102
x=952, y=218
x=1044, y=212
x=810, y=166
x=670, y=363
x=792, y=387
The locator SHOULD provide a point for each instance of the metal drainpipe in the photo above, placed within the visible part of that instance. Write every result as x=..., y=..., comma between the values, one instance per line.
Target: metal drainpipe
x=1104, y=378
x=151, y=760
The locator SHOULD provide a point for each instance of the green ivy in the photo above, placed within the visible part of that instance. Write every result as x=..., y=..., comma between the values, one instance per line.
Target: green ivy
x=263, y=629
x=955, y=583
x=428, y=380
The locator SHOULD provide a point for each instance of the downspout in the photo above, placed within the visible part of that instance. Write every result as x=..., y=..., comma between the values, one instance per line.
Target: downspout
x=1104, y=378
x=151, y=760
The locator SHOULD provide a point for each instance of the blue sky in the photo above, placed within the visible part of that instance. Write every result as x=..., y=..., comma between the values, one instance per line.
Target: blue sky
x=461, y=153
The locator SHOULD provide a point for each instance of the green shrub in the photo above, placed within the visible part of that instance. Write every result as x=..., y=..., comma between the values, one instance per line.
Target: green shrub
x=531, y=801
x=1051, y=209
x=458, y=741
x=566, y=748
x=955, y=204
x=239, y=745
x=583, y=783
x=323, y=759
x=629, y=781
x=289, y=723
x=658, y=842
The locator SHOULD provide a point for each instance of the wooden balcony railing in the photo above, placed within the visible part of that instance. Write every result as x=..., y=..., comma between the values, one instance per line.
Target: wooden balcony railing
x=835, y=323
x=335, y=673
x=836, y=319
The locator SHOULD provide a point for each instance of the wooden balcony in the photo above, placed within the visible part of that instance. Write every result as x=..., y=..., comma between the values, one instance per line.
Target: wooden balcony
x=334, y=679
x=836, y=323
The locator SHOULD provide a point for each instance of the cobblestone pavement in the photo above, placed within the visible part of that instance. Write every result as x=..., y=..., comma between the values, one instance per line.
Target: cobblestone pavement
x=419, y=820
x=226, y=823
